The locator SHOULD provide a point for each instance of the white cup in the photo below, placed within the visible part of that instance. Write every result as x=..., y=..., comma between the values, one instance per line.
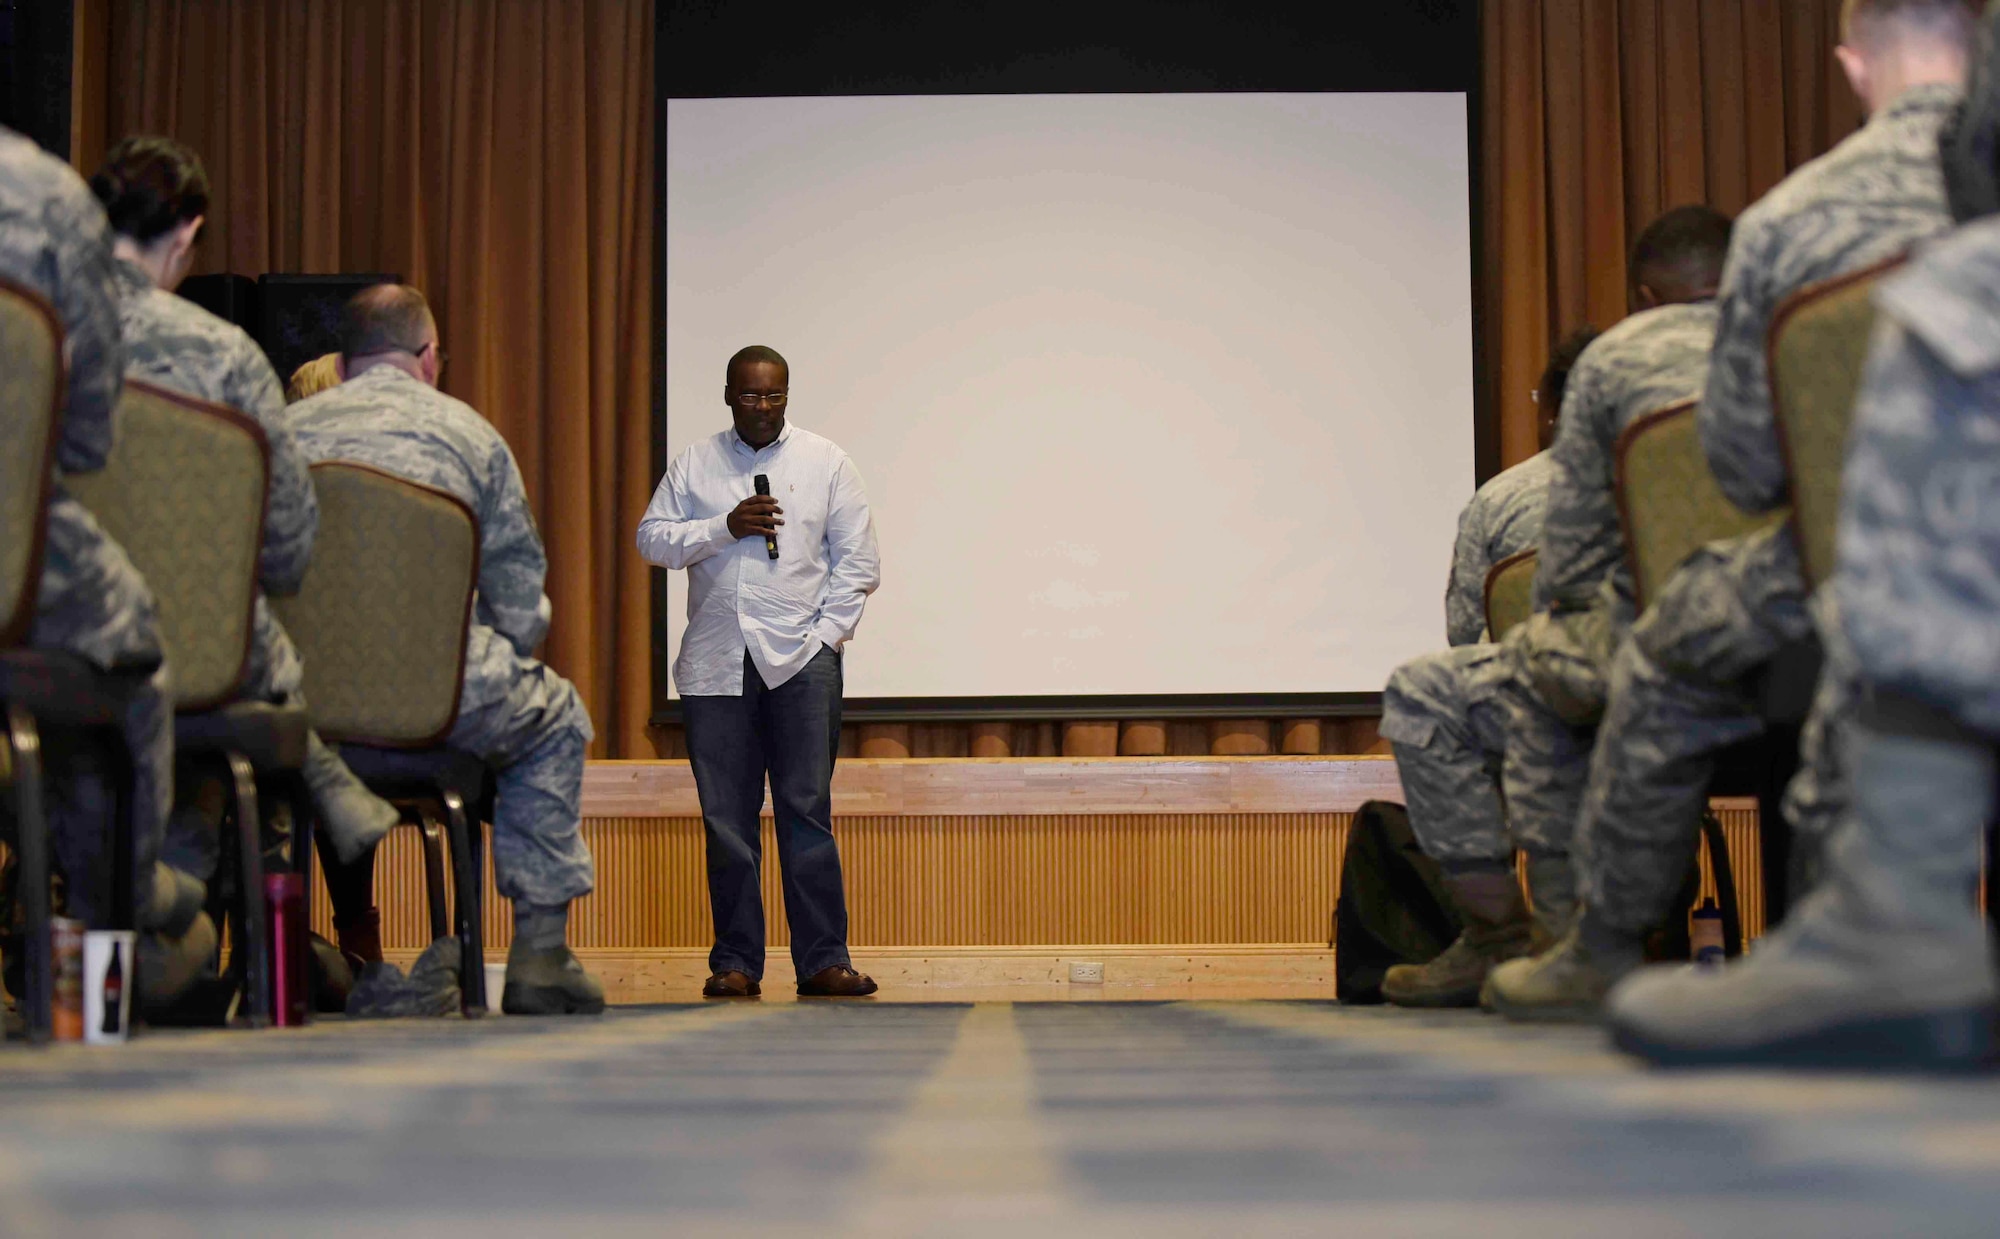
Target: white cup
x=107, y=1022
x=496, y=983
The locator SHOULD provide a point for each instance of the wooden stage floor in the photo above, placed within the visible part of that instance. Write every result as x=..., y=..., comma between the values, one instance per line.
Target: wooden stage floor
x=873, y=1118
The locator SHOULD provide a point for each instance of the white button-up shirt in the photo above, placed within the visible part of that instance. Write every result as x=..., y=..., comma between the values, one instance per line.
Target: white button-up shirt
x=782, y=610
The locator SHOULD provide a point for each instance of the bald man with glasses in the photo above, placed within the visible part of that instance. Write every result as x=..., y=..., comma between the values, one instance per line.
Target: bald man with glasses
x=772, y=526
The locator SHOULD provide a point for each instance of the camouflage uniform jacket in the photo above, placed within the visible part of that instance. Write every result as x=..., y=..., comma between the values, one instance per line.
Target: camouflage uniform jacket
x=1504, y=517
x=385, y=418
x=174, y=343
x=1652, y=359
x=1866, y=200
x=1919, y=545
x=55, y=241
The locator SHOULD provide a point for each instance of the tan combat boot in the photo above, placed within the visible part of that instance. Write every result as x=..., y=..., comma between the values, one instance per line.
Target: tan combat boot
x=1497, y=928
x=1552, y=895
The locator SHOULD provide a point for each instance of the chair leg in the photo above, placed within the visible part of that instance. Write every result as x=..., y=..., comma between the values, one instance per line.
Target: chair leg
x=124, y=830
x=1725, y=885
x=253, y=938
x=434, y=886
x=468, y=868
x=31, y=846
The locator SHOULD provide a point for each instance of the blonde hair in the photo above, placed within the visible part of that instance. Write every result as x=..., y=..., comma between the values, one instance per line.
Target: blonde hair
x=313, y=378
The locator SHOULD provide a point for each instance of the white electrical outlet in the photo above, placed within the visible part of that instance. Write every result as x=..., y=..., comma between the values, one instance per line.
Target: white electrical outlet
x=1086, y=974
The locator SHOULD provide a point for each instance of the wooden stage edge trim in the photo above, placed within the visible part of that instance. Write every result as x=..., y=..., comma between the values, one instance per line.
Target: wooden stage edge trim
x=1280, y=970
x=1030, y=786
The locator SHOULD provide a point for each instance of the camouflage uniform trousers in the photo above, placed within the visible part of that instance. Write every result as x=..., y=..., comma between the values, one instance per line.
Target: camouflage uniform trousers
x=1487, y=765
x=528, y=722
x=1681, y=693
x=1554, y=700
x=1445, y=716
x=93, y=603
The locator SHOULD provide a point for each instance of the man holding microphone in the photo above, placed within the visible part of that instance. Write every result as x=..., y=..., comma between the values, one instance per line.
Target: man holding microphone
x=772, y=525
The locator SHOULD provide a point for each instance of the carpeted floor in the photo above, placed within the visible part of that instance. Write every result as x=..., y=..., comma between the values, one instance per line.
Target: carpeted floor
x=1040, y=1120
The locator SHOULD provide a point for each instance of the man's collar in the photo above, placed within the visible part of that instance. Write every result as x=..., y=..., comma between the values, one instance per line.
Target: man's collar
x=736, y=440
x=1928, y=97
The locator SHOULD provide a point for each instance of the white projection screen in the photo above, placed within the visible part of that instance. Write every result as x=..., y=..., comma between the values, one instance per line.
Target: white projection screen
x=1152, y=393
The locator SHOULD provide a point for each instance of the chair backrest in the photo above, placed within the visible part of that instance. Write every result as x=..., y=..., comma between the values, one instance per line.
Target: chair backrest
x=1818, y=348
x=1510, y=592
x=31, y=400
x=184, y=496
x=382, y=619
x=1668, y=500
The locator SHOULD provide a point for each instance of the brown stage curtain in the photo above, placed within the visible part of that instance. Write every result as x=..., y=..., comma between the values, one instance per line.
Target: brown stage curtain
x=1600, y=114
x=498, y=154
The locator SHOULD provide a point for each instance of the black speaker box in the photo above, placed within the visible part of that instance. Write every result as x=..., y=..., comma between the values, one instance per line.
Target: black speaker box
x=300, y=315
x=233, y=297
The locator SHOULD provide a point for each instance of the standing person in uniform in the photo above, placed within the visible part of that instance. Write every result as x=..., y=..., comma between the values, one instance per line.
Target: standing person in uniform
x=759, y=667
x=1683, y=688
x=1529, y=706
x=514, y=713
x=1450, y=700
x=155, y=192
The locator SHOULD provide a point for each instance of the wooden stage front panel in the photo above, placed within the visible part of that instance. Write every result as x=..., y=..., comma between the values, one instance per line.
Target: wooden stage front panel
x=1182, y=858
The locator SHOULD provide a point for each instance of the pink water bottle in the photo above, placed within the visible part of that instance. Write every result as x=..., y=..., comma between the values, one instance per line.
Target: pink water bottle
x=285, y=917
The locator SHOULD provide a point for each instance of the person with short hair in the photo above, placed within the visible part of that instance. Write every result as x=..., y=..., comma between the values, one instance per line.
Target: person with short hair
x=1887, y=964
x=1504, y=516
x=776, y=585
x=1489, y=764
x=155, y=192
x=1681, y=687
x=515, y=713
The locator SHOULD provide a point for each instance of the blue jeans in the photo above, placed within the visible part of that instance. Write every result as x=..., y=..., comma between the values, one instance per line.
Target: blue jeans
x=793, y=732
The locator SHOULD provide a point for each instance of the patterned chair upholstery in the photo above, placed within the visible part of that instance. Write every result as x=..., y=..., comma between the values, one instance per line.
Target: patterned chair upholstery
x=1668, y=501
x=42, y=691
x=1818, y=348
x=382, y=622
x=185, y=495
x=1510, y=592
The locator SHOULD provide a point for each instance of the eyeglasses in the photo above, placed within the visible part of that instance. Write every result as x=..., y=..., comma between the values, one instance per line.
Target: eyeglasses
x=750, y=399
x=442, y=356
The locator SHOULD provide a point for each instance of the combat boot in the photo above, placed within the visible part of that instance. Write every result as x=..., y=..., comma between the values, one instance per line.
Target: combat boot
x=1552, y=898
x=1565, y=984
x=549, y=981
x=1497, y=928
x=1887, y=966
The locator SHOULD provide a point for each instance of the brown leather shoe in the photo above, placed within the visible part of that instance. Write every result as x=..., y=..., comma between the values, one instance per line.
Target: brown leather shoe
x=731, y=985
x=837, y=981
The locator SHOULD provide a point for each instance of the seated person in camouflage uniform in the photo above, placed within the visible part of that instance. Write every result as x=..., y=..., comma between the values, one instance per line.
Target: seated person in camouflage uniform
x=1531, y=705
x=1504, y=517
x=514, y=712
x=1453, y=692
x=1683, y=688
x=156, y=194
x=1886, y=965
x=91, y=601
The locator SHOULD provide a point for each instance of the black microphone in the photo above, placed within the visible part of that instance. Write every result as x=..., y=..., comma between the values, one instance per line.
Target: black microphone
x=770, y=539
